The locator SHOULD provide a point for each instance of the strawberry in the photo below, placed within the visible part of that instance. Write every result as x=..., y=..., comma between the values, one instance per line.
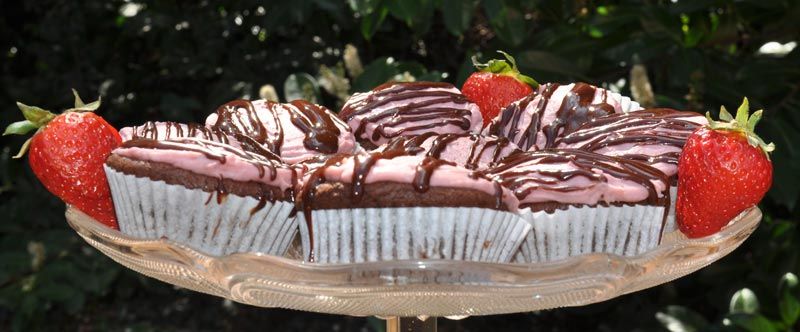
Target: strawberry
x=67, y=153
x=497, y=84
x=724, y=169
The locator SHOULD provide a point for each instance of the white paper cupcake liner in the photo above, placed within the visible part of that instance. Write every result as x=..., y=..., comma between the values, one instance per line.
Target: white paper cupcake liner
x=621, y=230
x=671, y=225
x=154, y=209
x=385, y=234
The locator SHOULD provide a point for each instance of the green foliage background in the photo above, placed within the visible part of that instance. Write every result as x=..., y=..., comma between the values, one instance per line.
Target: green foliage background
x=178, y=60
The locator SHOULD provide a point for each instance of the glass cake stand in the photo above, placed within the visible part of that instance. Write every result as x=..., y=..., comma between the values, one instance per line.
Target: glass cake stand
x=413, y=288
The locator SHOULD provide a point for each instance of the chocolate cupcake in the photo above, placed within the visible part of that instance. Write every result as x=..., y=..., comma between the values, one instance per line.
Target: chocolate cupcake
x=409, y=109
x=471, y=151
x=387, y=205
x=652, y=136
x=294, y=131
x=579, y=202
x=537, y=121
x=207, y=194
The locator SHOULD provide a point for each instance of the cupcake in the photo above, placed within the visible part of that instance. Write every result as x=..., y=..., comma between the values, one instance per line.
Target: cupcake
x=537, y=121
x=579, y=202
x=471, y=151
x=206, y=194
x=386, y=205
x=294, y=131
x=652, y=136
x=409, y=109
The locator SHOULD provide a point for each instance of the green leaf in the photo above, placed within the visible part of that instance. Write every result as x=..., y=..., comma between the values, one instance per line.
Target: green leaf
x=751, y=123
x=90, y=107
x=742, y=113
x=36, y=115
x=78, y=101
x=681, y=319
x=744, y=301
x=506, y=21
x=20, y=128
x=301, y=86
x=549, y=62
x=724, y=115
x=23, y=149
x=789, y=308
x=415, y=14
x=457, y=15
x=373, y=13
x=750, y=322
x=377, y=72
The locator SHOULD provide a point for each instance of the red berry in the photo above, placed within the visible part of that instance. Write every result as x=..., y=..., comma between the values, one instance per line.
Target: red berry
x=723, y=170
x=67, y=154
x=496, y=85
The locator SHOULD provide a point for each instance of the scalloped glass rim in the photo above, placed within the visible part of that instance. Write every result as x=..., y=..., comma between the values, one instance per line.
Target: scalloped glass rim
x=414, y=287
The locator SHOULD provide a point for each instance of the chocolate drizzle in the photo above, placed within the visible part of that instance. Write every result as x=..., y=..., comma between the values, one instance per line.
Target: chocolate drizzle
x=575, y=109
x=320, y=127
x=495, y=147
x=526, y=172
x=212, y=150
x=168, y=130
x=660, y=126
x=399, y=109
x=240, y=117
x=322, y=134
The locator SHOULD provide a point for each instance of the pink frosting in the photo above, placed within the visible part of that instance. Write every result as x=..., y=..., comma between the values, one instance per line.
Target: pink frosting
x=403, y=169
x=534, y=180
x=407, y=100
x=645, y=123
x=293, y=150
x=531, y=110
x=466, y=150
x=234, y=166
x=159, y=130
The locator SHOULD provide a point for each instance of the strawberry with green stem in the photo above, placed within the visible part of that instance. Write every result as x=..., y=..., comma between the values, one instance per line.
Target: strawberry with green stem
x=67, y=153
x=497, y=84
x=724, y=169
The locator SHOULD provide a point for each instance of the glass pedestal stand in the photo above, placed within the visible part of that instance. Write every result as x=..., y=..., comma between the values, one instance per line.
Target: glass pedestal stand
x=418, y=288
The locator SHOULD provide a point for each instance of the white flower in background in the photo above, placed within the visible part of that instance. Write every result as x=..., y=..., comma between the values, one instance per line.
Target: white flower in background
x=352, y=61
x=268, y=92
x=404, y=77
x=641, y=90
x=776, y=48
x=334, y=81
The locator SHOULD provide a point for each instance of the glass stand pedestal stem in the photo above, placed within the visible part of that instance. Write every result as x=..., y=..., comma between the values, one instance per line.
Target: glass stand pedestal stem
x=410, y=324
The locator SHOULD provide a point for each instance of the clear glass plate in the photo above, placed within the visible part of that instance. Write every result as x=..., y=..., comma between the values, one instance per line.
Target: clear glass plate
x=418, y=287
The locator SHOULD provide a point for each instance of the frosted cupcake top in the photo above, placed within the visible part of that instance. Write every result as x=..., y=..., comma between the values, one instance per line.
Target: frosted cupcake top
x=471, y=151
x=549, y=179
x=653, y=136
x=409, y=109
x=537, y=121
x=158, y=130
x=213, y=159
x=295, y=131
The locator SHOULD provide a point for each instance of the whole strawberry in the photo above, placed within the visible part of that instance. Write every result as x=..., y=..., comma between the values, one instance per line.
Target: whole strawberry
x=724, y=169
x=497, y=84
x=67, y=154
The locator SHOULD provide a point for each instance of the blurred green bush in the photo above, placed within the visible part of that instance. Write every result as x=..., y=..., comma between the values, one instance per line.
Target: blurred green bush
x=176, y=60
